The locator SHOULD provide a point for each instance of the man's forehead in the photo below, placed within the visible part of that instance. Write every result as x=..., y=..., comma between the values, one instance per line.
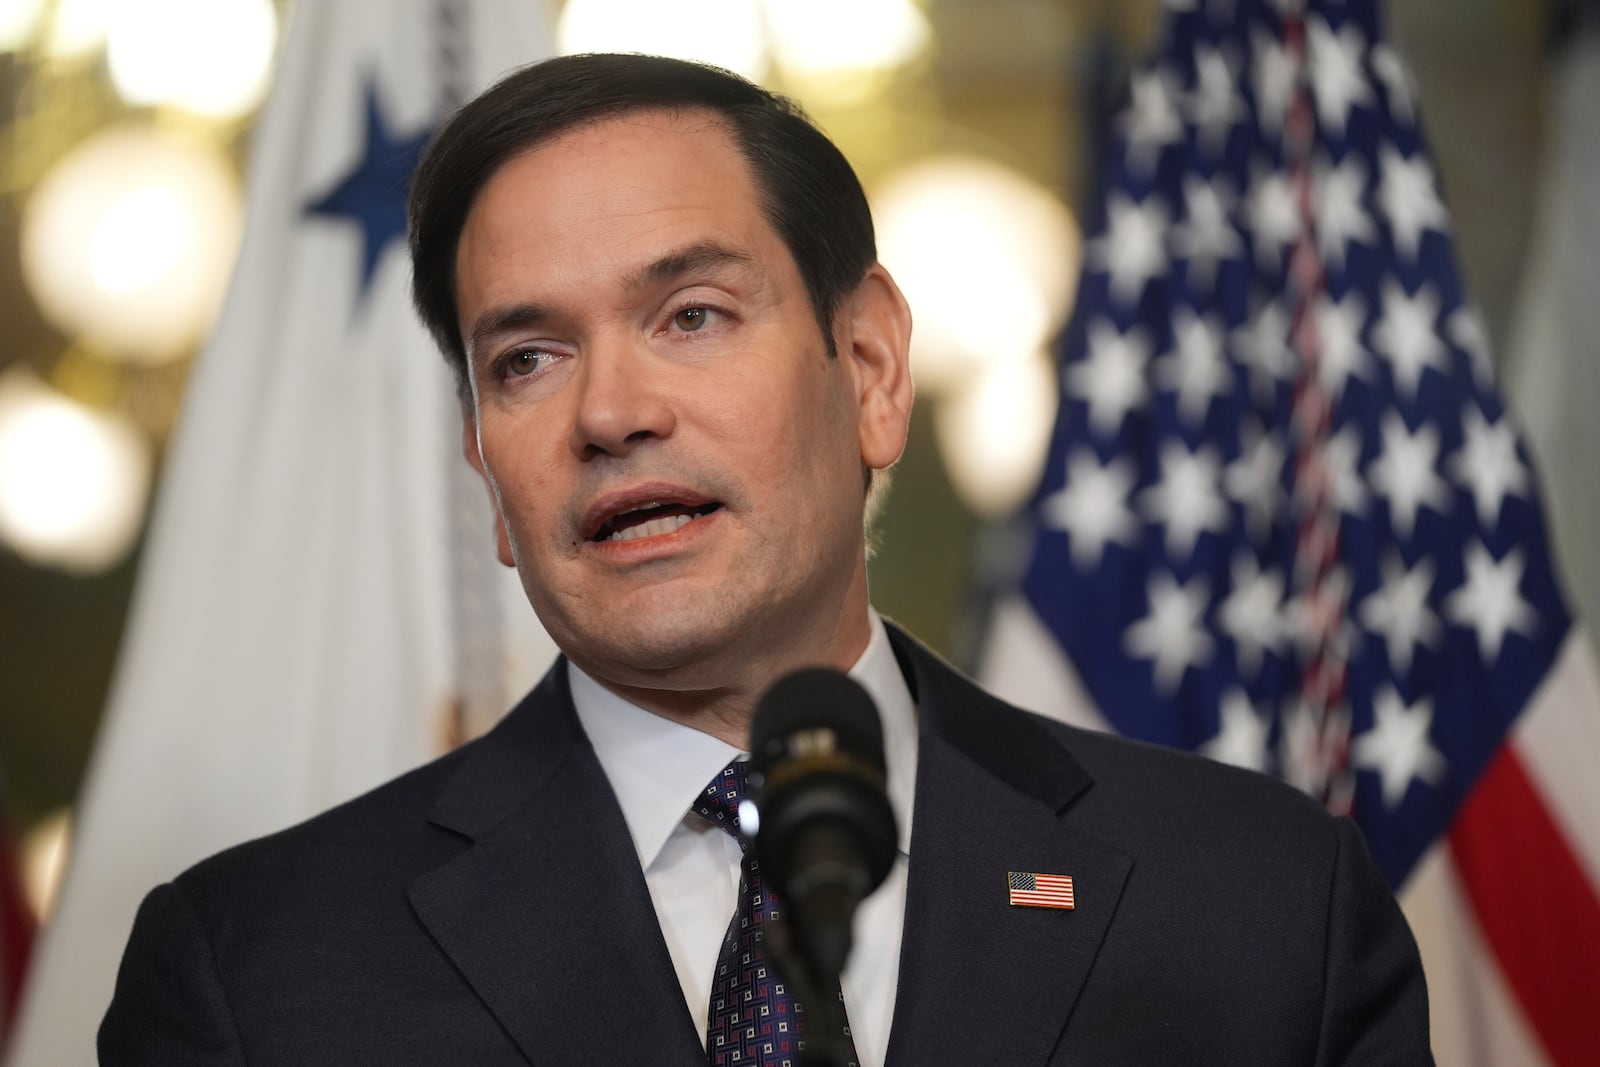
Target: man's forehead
x=636, y=198
x=641, y=122
x=641, y=133
x=634, y=163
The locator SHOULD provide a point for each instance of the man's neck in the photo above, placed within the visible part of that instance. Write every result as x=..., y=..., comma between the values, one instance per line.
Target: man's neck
x=724, y=710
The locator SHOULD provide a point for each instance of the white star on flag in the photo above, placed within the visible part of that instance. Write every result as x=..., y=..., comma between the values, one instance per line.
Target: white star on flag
x=1173, y=636
x=1263, y=346
x=1308, y=754
x=1397, y=746
x=1489, y=601
x=1342, y=355
x=1254, y=480
x=1274, y=217
x=1185, y=500
x=1092, y=508
x=1275, y=77
x=1342, y=458
x=1398, y=610
x=1206, y=236
x=1404, y=473
x=1242, y=737
x=1131, y=251
x=1466, y=330
x=1215, y=106
x=1317, y=616
x=1112, y=379
x=1195, y=369
x=1341, y=218
x=1252, y=612
x=1150, y=122
x=1337, y=81
x=1410, y=198
x=1406, y=336
x=1487, y=463
x=1396, y=83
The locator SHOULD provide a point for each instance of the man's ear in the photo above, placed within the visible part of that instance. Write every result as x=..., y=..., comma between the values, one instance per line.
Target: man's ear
x=469, y=446
x=878, y=348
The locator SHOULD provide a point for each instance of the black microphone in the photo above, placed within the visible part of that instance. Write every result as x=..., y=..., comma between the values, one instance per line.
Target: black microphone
x=825, y=834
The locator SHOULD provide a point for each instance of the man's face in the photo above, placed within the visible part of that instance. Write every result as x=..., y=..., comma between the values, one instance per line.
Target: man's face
x=676, y=460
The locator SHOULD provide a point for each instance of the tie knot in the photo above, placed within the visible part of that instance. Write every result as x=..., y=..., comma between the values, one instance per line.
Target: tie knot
x=719, y=800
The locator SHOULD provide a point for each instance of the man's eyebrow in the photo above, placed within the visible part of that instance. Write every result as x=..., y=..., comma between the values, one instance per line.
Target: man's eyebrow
x=695, y=257
x=502, y=320
x=687, y=260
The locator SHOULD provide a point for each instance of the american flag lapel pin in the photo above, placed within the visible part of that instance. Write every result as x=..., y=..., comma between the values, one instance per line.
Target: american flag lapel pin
x=1031, y=890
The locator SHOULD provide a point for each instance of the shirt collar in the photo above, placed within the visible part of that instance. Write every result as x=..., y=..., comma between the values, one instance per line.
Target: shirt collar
x=657, y=766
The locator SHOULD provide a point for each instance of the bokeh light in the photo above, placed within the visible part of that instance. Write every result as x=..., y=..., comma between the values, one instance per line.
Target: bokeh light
x=18, y=21
x=986, y=257
x=128, y=242
x=210, y=57
x=73, y=480
x=79, y=26
x=993, y=435
x=44, y=855
x=838, y=36
x=726, y=33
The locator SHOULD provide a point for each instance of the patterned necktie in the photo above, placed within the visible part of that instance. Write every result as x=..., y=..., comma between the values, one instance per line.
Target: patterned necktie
x=754, y=1021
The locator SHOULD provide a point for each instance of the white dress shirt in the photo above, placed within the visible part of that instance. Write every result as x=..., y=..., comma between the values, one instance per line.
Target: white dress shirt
x=658, y=767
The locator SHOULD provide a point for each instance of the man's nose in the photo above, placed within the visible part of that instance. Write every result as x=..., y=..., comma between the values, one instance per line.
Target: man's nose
x=620, y=401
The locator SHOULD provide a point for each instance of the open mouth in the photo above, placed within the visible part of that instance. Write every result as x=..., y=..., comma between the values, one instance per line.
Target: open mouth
x=650, y=520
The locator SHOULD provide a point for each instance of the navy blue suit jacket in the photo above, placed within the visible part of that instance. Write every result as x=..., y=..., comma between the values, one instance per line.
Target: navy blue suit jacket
x=489, y=908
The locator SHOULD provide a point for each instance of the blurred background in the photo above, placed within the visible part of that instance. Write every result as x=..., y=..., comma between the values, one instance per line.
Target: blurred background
x=988, y=102
x=126, y=129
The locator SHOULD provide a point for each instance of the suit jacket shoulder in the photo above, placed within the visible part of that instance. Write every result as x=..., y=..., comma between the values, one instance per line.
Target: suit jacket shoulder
x=1220, y=916
x=441, y=918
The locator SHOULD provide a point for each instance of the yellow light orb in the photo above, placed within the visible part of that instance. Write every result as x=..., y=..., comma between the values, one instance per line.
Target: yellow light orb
x=18, y=21
x=210, y=57
x=73, y=481
x=812, y=37
x=44, y=862
x=724, y=33
x=993, y=433
x=78, y=27
x=986, y=257
x=129, y=240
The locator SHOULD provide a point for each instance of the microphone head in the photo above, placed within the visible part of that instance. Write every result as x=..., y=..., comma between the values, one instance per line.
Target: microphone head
x=816, y=712
x=825, y=831
x=816, y=757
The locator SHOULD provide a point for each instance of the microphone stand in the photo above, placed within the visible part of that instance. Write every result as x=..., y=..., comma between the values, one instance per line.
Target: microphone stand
x=815, y=992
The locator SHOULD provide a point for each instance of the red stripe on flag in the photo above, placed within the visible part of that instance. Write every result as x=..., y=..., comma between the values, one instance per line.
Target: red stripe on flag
x=1537, y=907
x=16, y=934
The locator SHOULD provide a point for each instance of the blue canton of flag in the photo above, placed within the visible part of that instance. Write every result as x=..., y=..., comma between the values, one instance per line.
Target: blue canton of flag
x=1286, y=521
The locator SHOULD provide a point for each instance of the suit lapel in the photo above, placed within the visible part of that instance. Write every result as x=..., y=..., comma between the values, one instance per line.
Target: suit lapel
x=546, y=913
x=982, y=981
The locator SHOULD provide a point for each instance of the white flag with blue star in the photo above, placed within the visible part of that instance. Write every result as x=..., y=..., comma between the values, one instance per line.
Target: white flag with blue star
x=318, y=607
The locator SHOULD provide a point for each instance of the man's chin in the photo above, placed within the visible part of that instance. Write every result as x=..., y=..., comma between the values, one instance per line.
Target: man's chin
x=668, y=654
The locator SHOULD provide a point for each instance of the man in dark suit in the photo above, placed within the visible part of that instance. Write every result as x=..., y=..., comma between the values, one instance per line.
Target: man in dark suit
x=680, y=366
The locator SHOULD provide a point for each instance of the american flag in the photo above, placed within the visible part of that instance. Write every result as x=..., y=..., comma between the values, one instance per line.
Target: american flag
x=1029, y=890
x=1287, y=521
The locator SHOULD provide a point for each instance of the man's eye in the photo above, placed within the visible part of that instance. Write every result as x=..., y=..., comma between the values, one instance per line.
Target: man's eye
x=691, y=319
x=525, y=362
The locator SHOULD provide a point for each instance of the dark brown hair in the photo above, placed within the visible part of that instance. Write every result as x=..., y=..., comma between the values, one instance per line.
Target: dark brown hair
x=808, y=191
